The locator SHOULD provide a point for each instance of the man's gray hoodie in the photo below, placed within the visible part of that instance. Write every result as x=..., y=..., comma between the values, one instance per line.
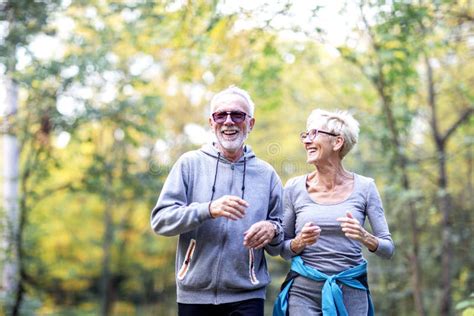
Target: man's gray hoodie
x=212, y=264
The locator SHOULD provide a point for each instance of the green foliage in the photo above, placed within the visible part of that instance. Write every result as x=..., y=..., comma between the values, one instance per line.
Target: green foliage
x=23, y=19
x=466, y=306
x=135, y=75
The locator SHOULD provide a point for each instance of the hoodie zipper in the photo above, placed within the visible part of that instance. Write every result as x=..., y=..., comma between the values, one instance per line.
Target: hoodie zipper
x=224, y=240
x=218, y=274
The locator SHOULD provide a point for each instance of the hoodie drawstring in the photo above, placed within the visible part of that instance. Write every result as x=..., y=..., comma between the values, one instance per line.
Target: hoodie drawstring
x=243, y=178
x=215, y=177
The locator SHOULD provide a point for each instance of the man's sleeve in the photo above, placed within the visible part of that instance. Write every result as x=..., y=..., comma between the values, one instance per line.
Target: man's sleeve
x=275, y=214
x=289, y=221
x=173, y=213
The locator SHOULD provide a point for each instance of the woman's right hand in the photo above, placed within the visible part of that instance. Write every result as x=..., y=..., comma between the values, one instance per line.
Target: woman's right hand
x=309, y=235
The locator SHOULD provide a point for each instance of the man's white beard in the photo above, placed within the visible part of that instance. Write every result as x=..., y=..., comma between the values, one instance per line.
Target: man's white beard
x=233, y=145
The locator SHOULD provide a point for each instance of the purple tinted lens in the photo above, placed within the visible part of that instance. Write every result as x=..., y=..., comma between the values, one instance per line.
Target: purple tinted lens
x=219, y=117
x=236, y=116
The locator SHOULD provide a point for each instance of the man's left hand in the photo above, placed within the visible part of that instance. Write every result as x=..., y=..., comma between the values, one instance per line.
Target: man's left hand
x=259, y=234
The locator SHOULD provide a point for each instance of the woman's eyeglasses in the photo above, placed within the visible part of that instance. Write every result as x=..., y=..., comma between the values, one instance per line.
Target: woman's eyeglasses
x=313, y=133
x=235, y=116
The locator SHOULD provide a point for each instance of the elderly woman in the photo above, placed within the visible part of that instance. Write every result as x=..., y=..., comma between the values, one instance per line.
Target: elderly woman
x=324, y=218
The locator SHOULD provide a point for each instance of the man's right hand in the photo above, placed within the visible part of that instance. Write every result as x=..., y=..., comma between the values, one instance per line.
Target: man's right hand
x=229, y=206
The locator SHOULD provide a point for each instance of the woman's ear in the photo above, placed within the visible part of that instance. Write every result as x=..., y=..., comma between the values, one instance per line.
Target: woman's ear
x=338, y=143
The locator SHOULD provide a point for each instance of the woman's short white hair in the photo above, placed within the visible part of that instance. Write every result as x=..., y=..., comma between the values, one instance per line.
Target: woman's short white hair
x=234, y=90
x=337, y=122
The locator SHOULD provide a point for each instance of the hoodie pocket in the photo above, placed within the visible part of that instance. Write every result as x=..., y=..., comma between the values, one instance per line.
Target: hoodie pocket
x=187, y=260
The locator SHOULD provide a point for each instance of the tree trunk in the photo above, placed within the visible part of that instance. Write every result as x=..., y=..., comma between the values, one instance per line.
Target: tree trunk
x=443, y=198
x=10, y=223
x=444, y=202
x=401, y=162
x=105, y=284
x=414, y=255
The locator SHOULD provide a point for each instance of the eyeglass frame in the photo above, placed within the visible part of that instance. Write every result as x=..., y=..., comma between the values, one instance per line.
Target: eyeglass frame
x=304, y=135
x=229, y=113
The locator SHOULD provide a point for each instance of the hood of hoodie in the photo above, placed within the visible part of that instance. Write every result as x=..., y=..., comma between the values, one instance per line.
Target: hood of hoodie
x=211, y=150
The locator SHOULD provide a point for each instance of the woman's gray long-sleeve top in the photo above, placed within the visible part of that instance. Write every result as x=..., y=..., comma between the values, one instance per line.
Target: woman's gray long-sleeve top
x=334, y=252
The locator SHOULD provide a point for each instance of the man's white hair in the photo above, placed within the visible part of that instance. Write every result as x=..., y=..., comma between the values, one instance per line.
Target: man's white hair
x=233, y=90
x=337, y=122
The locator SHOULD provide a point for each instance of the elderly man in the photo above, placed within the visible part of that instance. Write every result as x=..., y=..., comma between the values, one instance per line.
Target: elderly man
x=226, y=205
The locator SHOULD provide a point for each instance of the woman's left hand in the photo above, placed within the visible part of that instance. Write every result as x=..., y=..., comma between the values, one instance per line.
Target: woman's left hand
x=353, y=230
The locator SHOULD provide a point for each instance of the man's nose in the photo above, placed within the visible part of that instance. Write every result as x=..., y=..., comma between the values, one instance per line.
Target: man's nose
x=228, y=120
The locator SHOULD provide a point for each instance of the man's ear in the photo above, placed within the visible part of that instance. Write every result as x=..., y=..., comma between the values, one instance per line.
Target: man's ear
x=210, y=122
x=251, y=123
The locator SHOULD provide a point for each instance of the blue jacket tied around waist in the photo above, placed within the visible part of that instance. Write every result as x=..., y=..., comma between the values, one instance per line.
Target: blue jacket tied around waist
x=332, y=301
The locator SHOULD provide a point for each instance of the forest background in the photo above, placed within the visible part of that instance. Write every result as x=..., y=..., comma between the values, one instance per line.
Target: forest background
x=99, y=98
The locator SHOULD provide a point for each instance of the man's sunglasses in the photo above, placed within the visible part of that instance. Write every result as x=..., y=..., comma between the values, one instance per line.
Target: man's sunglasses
x=235, y=116
x=313, y=133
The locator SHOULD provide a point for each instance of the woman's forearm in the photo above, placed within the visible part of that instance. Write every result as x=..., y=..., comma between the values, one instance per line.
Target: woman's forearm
x=297, y=245
x=370, y=241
